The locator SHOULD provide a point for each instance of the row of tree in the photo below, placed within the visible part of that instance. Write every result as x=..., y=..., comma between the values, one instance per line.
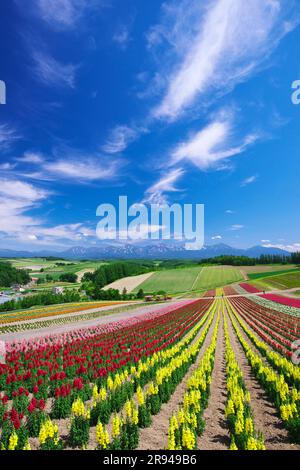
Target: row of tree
x=10, y=275
x=114, y=294
x=247, y=261
x=44, y=298
x=112, y=272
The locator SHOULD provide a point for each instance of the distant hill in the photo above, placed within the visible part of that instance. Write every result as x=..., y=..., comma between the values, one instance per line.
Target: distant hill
x=151, y=251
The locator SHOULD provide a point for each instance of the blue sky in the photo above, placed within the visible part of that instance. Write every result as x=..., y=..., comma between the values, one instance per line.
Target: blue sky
x=181, y=101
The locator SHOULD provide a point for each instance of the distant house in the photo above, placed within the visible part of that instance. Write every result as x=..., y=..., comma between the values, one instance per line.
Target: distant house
x=18, y=288
x=148, y=298
x=34, y=280
x=58, y=290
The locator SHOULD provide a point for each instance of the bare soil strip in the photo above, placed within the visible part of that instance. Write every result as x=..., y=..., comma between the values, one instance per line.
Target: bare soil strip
x=156, y=436
x=216, y=435
x=128, y=283
x=265, y=415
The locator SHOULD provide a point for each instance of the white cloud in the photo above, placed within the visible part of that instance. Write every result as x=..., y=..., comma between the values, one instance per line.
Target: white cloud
x=236, y=227
x=216, y=46
x=249, y=180
x=293, y=247
x=119, y=139
x=51, y=72
x=122, y=37
x=63, y=13
x=8, y=136
x=229, y=211
x=88, y=169
x=208, y=147
x=16, y=199
x=71, y=164
x=32, y=157
x=265, y=241
x=216, y=237
x=6, y=166
x=155, y=194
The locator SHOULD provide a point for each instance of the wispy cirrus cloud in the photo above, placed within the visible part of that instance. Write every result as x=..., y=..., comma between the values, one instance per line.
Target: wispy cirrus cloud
x=120, y=137
x=122, y=36
x=71, y=165
x=216, y=237
x=64, y=14
x=215, y=46
x=213, y=144
x=8, y=136
x=250, y=180
x=236, y=227
x=156, y=193
x=51, y=72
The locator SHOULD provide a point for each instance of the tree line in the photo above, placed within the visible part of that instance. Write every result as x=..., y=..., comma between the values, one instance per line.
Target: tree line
x=233, y=260
x=44, y=298
x=10, y=275
x=109, y=273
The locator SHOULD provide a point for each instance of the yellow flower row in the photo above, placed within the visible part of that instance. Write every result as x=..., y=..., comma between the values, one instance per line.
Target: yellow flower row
x=185, y=422
x=145, y=364
x=238, y=403
x=289, y=398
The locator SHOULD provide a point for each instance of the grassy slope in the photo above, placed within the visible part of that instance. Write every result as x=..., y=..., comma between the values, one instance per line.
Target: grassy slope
x=280, y=281
x=171, y=280
x=212, y=277
x=190, y=279
x=261, y=275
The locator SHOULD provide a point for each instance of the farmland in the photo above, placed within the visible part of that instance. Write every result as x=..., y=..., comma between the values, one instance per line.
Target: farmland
x=191, y=279
x=171, y=281
x=157, y=381
x=53, y=268
x=280, y=281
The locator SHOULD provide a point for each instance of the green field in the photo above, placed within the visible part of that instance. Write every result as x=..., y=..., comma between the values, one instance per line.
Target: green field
x=190, y=279
x=280, y=281
x=261, y=275
x=51, y=267
x=212, y=277
x=171, y=281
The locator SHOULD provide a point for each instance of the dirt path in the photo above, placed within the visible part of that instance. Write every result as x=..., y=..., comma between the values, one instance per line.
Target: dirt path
x=156, y=436
x=216, y=435
x=265, y=415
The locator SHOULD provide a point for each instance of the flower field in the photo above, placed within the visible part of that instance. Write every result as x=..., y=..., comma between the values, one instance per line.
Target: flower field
x=157, y=382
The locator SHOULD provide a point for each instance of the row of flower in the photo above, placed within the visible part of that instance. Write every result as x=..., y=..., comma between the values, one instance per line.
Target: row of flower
x=288, y=301
x=279, y=336
x=249, y=288
x=69, y=372
x=286, y=399
x=282, y=365
x=165, y=369
x=188, y=423
x=80, y=333
x=44, y=313
x=292, y=311
x=238, y=409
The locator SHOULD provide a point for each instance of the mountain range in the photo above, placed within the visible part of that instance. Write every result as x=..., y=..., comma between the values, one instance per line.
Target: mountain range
x=151, y=251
